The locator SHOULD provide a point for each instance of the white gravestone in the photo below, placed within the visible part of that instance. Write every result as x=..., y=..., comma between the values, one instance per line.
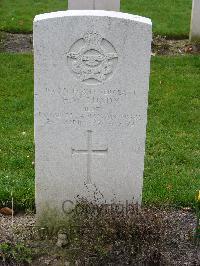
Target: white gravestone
x=195, y=21
x=113, y=5
x=91, y=96
x=81, y=4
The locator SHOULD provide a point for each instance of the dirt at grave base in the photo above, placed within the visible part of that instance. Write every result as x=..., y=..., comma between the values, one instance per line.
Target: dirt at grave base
x=180, y=251
x=23, y=43
x=163, y=46
x=16, y=43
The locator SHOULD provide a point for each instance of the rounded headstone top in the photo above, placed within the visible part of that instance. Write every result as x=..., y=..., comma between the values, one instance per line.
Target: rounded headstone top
x=95, y=13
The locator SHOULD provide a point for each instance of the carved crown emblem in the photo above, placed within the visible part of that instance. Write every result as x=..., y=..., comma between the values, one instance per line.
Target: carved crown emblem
x=92, y=58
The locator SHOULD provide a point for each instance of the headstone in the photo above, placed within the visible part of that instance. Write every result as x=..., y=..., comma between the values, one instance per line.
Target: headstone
x=195, y=21
x=81, y=4
x=113, y=5
x=91, y=95
x=107, y=5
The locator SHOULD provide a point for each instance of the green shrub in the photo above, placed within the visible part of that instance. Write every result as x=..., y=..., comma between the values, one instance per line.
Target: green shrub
x=17, y=253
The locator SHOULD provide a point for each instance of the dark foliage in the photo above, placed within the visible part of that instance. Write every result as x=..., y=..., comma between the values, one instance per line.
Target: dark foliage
x=101, y=234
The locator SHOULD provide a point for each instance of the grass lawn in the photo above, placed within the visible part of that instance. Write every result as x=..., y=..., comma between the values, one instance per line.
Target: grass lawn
x=170, y=17
x=172, y=166
x=16, y=130
x=172, y=155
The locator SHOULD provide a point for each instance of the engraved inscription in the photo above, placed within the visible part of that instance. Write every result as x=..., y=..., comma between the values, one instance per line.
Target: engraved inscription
x=90, y=95
x=89, y=151
x=95, y=107
x=84, y=119
x=92, y=59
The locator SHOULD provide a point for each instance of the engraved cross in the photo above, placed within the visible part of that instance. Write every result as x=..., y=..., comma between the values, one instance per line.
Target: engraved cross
x=89, y=152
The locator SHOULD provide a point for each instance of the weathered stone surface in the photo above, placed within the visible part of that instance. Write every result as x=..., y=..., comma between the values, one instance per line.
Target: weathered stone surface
x=111, y=5
x=91, y=94
x=81, y=4
x=195, y=21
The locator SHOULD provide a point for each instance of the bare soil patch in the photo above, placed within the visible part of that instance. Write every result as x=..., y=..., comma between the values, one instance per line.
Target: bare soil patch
x=180, y=248
x=23, y=43
x=163, y=46
x=16, y=43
